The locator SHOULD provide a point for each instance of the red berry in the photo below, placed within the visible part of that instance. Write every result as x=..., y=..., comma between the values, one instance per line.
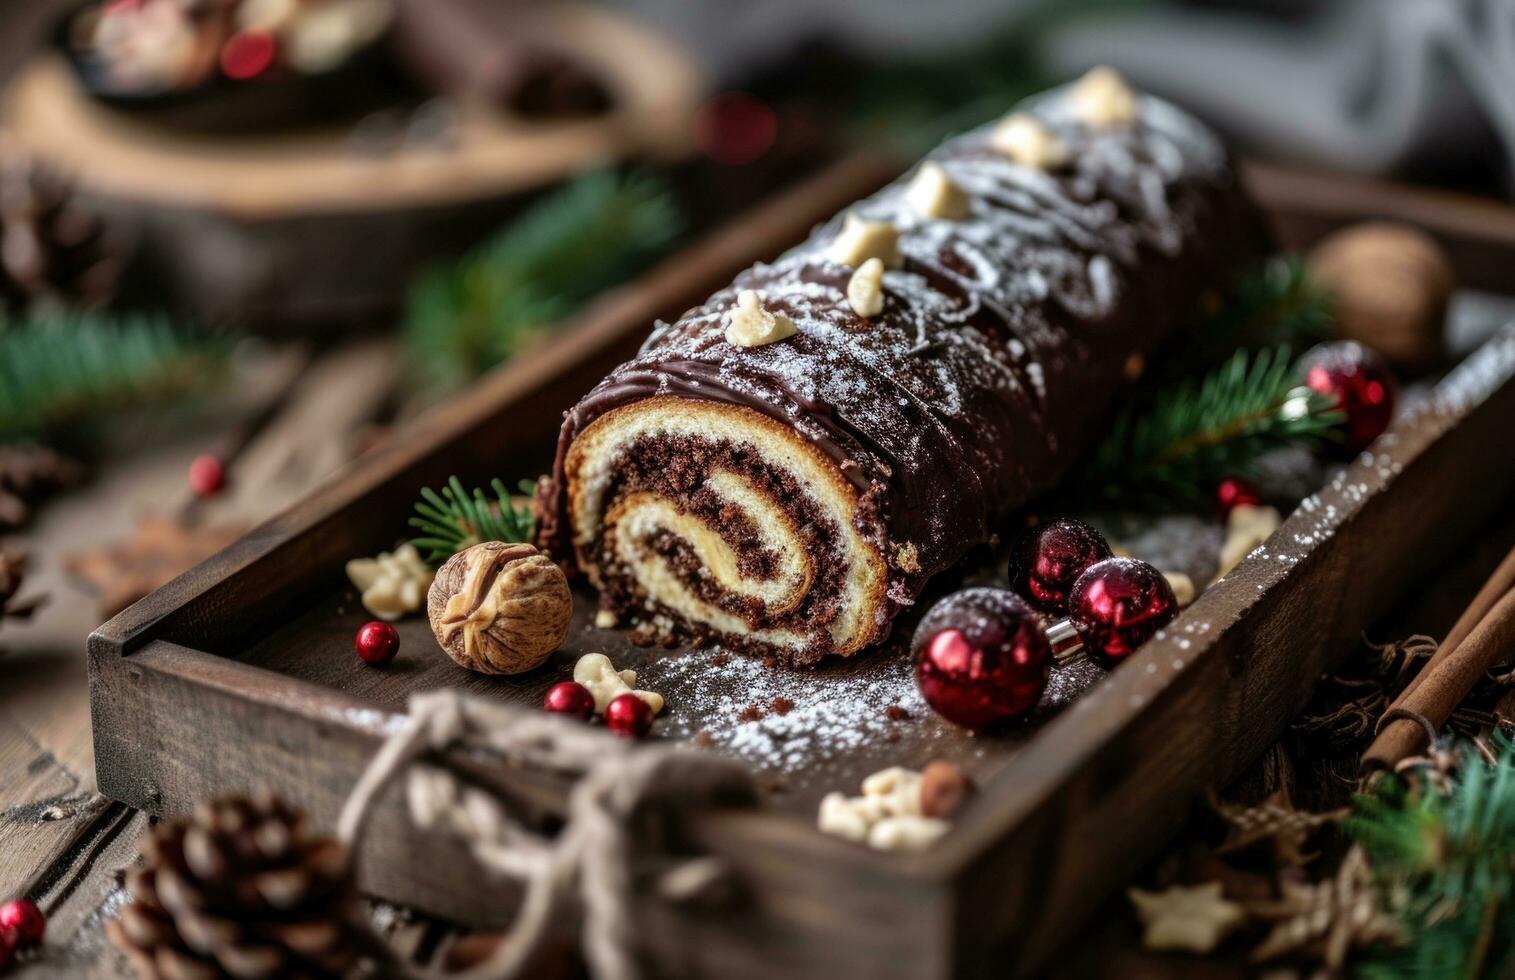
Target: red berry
x=735, y=128
x=629, y=716
x=377, y=643
x=248, y=54
x=23, y=916
x=207, y=477
x=570, y=698
x=1117, y=605
x=981, y=657
x=1050, y=557
x=1360, y=385
x=1234, y=492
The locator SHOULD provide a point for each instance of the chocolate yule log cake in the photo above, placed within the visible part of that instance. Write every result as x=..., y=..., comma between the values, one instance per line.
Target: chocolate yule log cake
x=785, y=466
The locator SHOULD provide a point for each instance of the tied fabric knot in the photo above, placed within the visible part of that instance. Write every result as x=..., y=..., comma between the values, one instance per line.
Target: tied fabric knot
x=589, y=856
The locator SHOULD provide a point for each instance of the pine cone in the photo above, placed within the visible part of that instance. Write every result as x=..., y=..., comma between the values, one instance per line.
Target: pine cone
x=27, y=474
x=50, y=244
x=12, y=576
x=238, y=890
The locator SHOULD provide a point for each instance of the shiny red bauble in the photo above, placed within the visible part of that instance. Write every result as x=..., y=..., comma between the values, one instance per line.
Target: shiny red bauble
x=628, y=716
x=1234, y=492
x=25, y=919
x=1117, y=605
x=1050, y=557
x=377, y=643
x=569, y=698
x=981, y=657
x=1360, y=385
x=207, y=477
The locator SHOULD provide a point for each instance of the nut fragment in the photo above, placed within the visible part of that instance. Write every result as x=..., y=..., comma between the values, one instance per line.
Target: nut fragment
x=865, y=290
x=1246, y=528
x=1102, y=98
x=751, y=325
x=861, y=240
x=935, y=195
x=1026, y=140
x=598, y=674
x=394, y=584
x=944, y=787
x=499, y=608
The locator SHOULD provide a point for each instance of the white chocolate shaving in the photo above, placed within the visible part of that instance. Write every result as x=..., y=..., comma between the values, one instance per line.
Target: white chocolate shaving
x=393, y=584
x=934, y=194
x=1027, y=141
x=861, y=240
x=887, y=816
x=865, y=290
x=1103, y=99
x=598, y=674
x=752, y=326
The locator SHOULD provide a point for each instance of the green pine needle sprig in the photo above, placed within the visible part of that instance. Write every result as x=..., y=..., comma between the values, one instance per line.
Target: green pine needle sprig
x=467, y=317
x=1168, y=451
x=1444, y=861
x=455, y=519
x=60, y=371
x=1276, y=303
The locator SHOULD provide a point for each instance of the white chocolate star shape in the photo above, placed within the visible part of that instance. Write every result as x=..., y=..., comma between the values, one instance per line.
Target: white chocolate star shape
x=1027, y=141
x=1195, y=919
x=1103, y=99
x=934, y=195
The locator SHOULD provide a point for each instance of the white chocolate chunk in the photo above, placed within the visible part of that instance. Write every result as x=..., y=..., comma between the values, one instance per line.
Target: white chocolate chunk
x=861, y=240
x=393, y=584
x=605, y=683
x=865, y=290
x=843, y=817
x=907, y=833
x=1246, y=528
x=897, y=790
x=753, y=326
x=1027, y=141
x=1103, y=99
x=605, y=619
x=1183, y=587
x=934, y=195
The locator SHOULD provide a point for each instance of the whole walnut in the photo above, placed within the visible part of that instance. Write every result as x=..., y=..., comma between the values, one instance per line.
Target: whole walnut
x=499, y=608
x=1391, y=284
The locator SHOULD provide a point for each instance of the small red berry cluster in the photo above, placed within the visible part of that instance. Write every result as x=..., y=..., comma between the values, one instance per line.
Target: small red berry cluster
x=983, y=656
x=627, y=715
x=22, y=924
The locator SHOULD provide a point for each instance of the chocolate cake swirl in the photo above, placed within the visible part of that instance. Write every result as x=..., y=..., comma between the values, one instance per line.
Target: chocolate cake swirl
x=794, y=496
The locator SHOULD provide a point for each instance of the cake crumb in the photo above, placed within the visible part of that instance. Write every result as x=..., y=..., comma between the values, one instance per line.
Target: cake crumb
x=895, y=713
x=752, y=713
x=720, y=659
x=703, y=739
x=781, y=706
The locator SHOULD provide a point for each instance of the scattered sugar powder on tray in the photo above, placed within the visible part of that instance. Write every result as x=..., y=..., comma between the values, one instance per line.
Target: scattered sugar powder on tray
x=785, y=720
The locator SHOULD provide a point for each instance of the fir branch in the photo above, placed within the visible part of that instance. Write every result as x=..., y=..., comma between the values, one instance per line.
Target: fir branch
x=465, y=318
x=1445, y=863
x=1274, y=304
x=61, y=370
x=454, y=519
x=1170, y=451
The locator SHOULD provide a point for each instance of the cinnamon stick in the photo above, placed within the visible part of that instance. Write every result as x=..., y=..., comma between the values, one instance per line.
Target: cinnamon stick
x=1500, y=582
x=1443, y=688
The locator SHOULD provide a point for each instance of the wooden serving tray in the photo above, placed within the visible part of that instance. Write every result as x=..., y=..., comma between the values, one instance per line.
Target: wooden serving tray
x=241, y=673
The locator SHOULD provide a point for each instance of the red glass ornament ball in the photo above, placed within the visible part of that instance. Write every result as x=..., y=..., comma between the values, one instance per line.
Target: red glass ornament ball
x=981, y=657
x=1117, y=605
x=25, y=919
x=1234, y=492
x=377, y=643
x=1361, y=386
x=248, y=54
x=1050, y=557
x=569, y=698
x=207, y=477
x=629, y=716
x=736, y=128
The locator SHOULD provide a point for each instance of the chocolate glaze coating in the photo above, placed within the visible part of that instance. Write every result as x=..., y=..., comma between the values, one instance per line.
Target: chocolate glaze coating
x=1002, y=340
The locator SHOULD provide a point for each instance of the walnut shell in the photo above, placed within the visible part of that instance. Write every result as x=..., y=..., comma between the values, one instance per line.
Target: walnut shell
x=1392, y=284
x=499, y=608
